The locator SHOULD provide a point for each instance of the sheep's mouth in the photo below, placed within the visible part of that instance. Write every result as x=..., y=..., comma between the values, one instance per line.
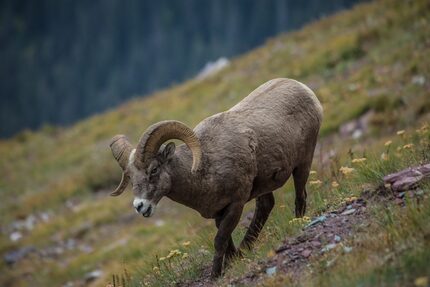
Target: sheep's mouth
x=147, y=212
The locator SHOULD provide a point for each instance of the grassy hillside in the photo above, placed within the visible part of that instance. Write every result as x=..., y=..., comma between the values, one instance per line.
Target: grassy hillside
x=368, y=66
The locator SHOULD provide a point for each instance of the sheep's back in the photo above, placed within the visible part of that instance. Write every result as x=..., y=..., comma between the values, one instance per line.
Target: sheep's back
x=280, y=97
x=281, y=117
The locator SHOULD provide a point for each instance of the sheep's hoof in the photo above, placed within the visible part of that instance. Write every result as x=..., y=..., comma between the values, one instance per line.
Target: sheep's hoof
x=215, y=274
x=300, y=208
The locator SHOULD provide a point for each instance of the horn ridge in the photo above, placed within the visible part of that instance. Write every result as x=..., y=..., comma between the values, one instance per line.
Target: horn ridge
x=121, y=149
x=161, y=132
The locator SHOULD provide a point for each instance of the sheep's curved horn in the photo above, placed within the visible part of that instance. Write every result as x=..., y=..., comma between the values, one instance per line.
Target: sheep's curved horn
x=121, y=149
x=122, y=185
x=161, y=132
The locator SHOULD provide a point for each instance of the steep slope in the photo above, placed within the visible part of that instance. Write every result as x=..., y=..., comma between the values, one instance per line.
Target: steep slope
x=368, y=66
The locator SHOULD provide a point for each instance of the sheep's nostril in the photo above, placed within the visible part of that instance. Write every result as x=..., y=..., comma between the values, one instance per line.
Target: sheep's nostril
x=139, y=207
x=148, y=212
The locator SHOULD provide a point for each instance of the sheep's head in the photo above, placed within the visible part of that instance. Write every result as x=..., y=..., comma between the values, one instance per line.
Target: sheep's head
x=147, y=166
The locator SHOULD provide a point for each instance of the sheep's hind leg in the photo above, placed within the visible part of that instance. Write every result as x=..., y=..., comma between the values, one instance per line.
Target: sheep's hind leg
x=263, y=207
x=227, y=222
x=301, y=174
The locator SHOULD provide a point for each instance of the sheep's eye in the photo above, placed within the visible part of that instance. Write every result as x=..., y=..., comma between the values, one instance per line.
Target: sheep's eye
x=154, y=170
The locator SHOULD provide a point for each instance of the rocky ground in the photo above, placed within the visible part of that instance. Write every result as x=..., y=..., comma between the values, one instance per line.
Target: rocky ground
x=326, y=232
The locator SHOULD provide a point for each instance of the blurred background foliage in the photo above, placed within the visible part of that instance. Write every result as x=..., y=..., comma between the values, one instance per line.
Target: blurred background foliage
x=64, y=60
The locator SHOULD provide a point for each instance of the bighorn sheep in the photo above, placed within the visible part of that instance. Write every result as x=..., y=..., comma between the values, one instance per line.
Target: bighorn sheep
x=228, y=159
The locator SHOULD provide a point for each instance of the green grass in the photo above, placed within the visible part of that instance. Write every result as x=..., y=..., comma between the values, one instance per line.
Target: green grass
x=392, y=251
x=356, y=61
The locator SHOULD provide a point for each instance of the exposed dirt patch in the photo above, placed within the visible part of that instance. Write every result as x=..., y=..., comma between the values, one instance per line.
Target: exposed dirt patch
x=324, y=233
x=321, y=235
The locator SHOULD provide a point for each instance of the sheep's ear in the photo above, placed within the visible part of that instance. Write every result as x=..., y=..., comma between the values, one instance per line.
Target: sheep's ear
x=168, y=151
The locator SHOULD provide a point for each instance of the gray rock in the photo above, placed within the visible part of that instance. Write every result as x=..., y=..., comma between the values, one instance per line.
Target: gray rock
x=45, y=216
x=271, y=271
x=30, y=222
x=357, y=134
x=93, y=275
x=419, y=80
x=70, y=244
x=85, y=248
x=328, y=247
x=347, y=249
x=211, y=68
x=348, y=211
x=14, y=256
x=306, y=253
x=316, y=243
x=15, y=236
x=419, y=192
x=357, y=127
x=317, y=220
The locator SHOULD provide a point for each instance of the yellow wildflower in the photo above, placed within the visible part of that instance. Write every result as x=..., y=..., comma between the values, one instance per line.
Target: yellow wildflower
x=306, y=218
x=350, y=199
x=401, y=132
x=346, y=170
x=162, y=258
x=359, y=160
x=388, y=143
x=421, y=281
x=408, y=146
x=334, y=184
x=423, y=129
x=315, y=182
x=185, y=255
x=173, y=253
x=156, y=269
x=312, y=172
x=271, y=253
x=384, y=156
x=186, y=243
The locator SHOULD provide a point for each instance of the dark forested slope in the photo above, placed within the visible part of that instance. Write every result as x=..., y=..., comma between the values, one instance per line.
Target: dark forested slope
x=63, y=60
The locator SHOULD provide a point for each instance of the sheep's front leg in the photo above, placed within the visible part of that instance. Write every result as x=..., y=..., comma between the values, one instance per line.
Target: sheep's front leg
x=226, y=223
x=231, y=250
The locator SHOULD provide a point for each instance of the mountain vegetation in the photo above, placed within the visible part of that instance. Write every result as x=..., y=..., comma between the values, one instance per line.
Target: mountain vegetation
x=370, y=68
